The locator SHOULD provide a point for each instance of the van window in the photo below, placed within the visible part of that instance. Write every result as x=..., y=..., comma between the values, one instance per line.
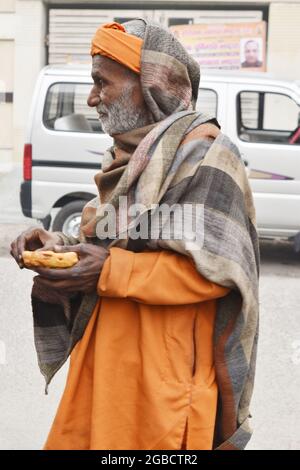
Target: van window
x=207, y=101
x=268, y=118
x=66, y=109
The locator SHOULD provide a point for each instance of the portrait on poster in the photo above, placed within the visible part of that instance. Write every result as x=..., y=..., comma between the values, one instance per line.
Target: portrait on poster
x=251, y=52
x=236, y=46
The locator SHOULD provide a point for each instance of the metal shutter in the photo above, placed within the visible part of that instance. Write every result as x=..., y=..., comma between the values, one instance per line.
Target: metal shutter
x=71, y=30
x=70, y=33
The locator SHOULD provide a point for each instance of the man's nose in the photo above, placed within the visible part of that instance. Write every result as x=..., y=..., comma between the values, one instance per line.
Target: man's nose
x=93, y=98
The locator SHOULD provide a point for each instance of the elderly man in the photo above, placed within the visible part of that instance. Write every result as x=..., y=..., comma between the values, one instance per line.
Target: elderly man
x=162, y=330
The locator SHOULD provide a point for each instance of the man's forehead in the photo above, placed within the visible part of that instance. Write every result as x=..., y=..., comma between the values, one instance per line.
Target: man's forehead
x=102, y=64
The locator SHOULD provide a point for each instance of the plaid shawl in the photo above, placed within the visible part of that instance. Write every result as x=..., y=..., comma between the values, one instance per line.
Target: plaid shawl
x=184, y=159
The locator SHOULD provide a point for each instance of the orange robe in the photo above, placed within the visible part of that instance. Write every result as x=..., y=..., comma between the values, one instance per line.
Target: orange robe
x=144, y=368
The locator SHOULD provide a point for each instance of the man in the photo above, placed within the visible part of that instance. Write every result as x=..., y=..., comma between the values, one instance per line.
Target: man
x=162, y=329
x=251, y=54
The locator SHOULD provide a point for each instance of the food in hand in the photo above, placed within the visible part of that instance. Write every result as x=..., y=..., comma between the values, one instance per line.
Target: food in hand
x=50, y=259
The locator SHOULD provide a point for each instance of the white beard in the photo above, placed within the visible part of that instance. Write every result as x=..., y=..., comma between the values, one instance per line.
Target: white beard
x=122, y=116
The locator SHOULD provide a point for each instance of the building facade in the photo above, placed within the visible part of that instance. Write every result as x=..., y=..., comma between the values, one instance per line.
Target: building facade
x=34, y=33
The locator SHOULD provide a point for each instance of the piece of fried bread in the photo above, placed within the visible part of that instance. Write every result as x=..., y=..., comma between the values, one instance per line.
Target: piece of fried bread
x=50, y=259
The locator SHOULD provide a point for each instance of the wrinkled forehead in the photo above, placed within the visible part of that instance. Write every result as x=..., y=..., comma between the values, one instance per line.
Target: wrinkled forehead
x=105, y=65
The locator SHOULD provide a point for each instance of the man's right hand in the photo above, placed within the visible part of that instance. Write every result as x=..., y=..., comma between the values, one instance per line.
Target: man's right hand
x=33, y=239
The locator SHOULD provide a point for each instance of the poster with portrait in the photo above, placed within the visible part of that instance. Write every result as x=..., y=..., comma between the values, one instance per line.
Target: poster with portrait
x=236, y=46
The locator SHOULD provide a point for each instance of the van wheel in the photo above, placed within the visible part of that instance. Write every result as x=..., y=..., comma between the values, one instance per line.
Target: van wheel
x=68, y=218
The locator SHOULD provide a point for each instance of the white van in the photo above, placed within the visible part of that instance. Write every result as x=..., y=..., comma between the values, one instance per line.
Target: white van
x=65, y=145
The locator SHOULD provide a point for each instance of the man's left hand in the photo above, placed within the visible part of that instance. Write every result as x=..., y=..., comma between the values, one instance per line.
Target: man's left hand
x=83, y=276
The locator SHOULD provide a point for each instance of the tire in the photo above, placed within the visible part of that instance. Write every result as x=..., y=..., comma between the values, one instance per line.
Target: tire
x=68, y=218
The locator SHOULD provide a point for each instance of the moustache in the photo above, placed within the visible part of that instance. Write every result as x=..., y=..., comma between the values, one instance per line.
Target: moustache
x=102, y=110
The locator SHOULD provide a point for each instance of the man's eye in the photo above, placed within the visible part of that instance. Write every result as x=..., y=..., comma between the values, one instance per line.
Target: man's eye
x=98, y=81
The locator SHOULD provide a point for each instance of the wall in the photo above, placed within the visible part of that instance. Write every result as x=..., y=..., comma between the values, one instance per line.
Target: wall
x=284, y=39
x=22, y=55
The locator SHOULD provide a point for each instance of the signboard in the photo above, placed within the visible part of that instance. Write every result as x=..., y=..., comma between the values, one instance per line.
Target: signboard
x=236, y=46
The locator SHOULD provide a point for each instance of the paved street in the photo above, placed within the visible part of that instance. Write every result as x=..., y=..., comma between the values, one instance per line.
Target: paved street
x=26, y=412
x=10, y=210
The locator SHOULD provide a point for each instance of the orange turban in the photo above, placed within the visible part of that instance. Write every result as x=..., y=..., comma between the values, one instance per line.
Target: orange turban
x=111, y=40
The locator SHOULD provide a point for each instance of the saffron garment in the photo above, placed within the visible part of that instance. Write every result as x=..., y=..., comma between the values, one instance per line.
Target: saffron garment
x=144, y=369
x=111, y=40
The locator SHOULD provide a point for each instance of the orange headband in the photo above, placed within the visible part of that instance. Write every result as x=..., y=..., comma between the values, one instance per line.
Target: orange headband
x=111, y=40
